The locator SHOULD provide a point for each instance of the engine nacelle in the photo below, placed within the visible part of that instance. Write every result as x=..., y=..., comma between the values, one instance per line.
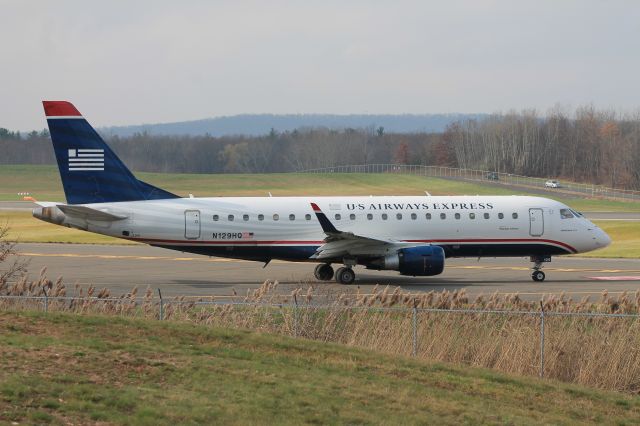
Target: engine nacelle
x=50, y=214
x=415, y=261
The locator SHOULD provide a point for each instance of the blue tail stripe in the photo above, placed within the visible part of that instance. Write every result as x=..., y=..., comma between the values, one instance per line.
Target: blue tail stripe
x=94, y=183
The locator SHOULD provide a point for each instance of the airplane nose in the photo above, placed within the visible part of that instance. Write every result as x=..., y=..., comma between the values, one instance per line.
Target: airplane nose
x=602, y=238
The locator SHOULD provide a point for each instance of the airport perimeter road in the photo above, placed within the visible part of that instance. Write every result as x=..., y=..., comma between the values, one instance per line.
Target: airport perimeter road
x=120, y=268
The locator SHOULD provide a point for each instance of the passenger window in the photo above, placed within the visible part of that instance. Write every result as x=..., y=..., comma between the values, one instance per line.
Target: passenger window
x=384, y=216
x=486, y=215
x=338, y=217
x=230, y=218
x=216, y=217
x=428, y=216
x=414, y=216
x=443, y=216
x=514, y=215
x=399, y=216
x=352, y=216
x=307, y=217
x=500, y=216
x=457, y=215
x=292, y=217
x=369, y=216
x=472, y=215
x=276, y=216
x=566, y=214
x=245, y=217
x=260, y=217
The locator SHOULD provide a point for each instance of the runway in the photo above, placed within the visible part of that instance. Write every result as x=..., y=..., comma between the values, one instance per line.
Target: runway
x=120, y=268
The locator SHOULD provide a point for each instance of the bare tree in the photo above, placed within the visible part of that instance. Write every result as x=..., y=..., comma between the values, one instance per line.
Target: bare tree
x=10, y=269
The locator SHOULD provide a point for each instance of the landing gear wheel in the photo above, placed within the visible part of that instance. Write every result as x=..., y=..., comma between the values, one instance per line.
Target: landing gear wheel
x=538, y=262
x=538, y=276
x=345, y=275
x=323, y=272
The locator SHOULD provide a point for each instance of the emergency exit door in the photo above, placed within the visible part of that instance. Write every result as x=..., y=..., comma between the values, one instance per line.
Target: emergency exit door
x=192, y=224
x=536, y=222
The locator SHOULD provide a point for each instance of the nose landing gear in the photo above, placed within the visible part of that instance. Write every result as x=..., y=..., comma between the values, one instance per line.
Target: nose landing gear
x=538, y=276
x=538, y=261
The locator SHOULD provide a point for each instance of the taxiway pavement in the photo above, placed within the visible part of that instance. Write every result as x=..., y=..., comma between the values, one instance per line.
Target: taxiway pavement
x=120, y=268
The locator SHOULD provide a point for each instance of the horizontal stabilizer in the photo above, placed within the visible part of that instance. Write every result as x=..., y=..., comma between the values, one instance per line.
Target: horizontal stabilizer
x=89, y=213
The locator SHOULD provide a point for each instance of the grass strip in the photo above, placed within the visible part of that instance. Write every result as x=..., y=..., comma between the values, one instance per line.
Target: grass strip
x=62, y=368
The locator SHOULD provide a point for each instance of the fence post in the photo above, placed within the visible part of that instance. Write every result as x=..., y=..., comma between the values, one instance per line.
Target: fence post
x=46, y=300
x=295, y=316
x=541, y=340
x=415, y=330
x=161, y=306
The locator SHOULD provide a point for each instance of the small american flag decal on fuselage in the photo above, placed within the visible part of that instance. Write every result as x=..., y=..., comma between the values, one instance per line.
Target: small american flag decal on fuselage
x=86, y=159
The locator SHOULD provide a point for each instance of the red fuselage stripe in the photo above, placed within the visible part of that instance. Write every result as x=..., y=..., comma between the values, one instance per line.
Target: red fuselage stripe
x=294, y=242
x=498, y=240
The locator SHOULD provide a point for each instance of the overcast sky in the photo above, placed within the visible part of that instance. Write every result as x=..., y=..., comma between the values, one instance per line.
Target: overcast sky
x=133, y=62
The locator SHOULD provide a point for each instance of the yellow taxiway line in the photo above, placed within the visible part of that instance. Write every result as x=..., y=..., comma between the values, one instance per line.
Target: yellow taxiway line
x=220, y=260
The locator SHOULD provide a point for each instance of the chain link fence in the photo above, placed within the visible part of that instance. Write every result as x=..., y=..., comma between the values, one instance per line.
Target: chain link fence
x=597, y=349
x=568, y=188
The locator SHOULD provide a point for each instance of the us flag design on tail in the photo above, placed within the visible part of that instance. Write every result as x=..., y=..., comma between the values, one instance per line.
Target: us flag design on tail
x=86, y=160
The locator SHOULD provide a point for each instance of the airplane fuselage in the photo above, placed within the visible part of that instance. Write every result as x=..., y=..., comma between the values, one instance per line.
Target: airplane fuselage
x=265, y=228
x=411, y=235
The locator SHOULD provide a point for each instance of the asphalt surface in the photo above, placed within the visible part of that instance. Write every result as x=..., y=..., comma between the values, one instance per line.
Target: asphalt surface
x=120, y=268
x=16, y=205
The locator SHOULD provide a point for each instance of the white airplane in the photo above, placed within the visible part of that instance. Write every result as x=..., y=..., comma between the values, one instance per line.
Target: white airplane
x=412, y=235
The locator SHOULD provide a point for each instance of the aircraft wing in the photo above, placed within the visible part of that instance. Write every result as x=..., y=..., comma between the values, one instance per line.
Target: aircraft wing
x=339, y=244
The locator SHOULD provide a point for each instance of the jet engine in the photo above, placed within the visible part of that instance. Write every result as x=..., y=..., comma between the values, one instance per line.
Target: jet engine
x=415, y=261
x=50, y=214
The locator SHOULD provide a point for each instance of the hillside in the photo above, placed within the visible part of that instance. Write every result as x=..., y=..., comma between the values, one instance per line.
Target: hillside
x=77, y=369
x=261, y=124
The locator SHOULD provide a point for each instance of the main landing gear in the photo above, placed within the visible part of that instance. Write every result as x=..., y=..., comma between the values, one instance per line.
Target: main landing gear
x=538, y=261
x=323, y=272
x=343, y=275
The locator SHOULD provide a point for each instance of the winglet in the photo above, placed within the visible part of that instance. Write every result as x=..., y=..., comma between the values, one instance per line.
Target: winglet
x=326, y=224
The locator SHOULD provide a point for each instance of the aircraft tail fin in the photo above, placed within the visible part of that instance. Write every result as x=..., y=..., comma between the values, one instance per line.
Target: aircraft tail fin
x=90, y=171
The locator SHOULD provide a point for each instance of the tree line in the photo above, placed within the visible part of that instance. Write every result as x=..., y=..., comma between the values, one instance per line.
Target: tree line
x=591, y=146
x=586, y=145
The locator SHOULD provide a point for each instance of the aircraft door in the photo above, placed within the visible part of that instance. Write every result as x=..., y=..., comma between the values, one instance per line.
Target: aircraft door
x=536, y=222
x=192, y=224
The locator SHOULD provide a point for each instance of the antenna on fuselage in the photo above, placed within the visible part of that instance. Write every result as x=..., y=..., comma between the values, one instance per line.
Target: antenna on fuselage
x=427, y=192
x=270, y=194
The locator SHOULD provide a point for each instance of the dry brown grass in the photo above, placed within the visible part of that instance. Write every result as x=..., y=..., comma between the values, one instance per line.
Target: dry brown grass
x=603, y=352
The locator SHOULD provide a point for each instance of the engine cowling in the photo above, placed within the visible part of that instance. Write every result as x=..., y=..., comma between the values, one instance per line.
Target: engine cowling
x=415, y=261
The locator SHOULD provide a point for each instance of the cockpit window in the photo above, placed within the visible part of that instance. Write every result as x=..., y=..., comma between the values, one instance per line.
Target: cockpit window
x=566, y=214
x=575, y=213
